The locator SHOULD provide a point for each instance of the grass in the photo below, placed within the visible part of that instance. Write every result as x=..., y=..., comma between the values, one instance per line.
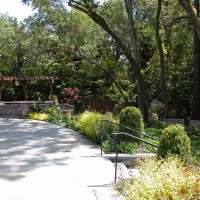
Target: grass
x=195, y=142
x=153, y=132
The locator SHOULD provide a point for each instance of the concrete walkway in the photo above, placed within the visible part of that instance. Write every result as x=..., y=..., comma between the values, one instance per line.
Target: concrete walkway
x=43, y=161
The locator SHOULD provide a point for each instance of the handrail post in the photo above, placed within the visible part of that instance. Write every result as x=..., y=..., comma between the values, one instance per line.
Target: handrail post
x=116, y=162
x=101, y=135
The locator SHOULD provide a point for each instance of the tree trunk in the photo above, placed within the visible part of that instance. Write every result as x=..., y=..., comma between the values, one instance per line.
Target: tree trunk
x=193, y=13
x=134, y=44
x=88, y=10
x=196, y=90
x=162, y=60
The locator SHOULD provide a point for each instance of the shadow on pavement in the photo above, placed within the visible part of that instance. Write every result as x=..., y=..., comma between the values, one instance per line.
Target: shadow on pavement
x=26, y=145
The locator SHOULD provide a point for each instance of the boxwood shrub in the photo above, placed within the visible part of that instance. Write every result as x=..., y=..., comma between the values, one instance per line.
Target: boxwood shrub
x=132, y=118
x=174, y=140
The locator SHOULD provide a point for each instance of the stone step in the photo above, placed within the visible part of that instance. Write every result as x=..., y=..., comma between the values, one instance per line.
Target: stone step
x=128, y=159
x=124, y=172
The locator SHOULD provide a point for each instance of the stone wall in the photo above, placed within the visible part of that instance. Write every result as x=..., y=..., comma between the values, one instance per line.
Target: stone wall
x=20, y=110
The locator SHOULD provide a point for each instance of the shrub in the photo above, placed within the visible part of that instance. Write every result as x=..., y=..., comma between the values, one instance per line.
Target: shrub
x=193, y=130
x=155, y=110
x=161, y=179
x=174, y=140
x=132, y=118
x=172, y=114
x=124, y=147
x=89, y=125
x=107, y=127
x=156, y=124
x=35, y=108
x=55, y=115
x=71, y=95
x=38, y=116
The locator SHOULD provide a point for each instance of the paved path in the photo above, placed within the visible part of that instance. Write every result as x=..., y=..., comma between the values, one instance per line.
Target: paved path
x=42, y=161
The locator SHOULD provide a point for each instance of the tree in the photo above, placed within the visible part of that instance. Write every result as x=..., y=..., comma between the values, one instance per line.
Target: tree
x=89, y=8
x=107, y=72
x=124, y=47
x=193, y=13
x=162, y=60
x=196, y=91
x=10, y=46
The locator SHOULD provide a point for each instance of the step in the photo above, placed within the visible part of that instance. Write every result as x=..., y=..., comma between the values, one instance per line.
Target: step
x=128, y=159
x=124, y=172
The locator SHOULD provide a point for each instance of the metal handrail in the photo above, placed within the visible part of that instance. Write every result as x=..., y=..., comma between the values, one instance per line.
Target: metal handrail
x=129, y=135
x=116, y=156
x=141, y=140
x=130, y=129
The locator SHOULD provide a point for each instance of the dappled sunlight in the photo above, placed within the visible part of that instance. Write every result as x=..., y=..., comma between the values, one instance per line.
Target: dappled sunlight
x=28, y=145
x=40, y=160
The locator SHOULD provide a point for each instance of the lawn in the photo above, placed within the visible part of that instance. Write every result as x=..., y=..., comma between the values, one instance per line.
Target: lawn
x=153, y=132
x=196, y=147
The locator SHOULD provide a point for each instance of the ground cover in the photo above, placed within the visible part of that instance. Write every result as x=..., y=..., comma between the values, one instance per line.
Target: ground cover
x=153, y=131
x=160, y=179
x=195, y=143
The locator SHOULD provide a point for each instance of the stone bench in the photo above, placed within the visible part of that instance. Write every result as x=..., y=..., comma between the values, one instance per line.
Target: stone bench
x=195, y=123
x=66, y=108
x=25, y=102
x=174, y=121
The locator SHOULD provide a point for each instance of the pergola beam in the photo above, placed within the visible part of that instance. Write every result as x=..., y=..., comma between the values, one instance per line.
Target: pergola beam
x=10, y=79
x=14, y=78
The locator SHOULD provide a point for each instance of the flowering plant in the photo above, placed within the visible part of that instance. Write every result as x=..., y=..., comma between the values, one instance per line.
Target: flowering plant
x=71, y=94
x=161, y=179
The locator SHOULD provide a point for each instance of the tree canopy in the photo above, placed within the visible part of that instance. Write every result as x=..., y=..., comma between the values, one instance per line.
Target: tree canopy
x=116, y=50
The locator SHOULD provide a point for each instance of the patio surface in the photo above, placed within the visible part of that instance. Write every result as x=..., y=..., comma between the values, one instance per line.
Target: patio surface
x=43, y=161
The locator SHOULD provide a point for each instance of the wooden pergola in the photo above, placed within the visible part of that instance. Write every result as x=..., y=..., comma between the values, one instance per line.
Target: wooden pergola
x=26, y=80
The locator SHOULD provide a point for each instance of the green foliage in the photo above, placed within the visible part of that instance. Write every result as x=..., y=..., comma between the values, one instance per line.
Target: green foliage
x=9, y=43
x=161, y=179
x=196, y=148
x=153, y=131
x=174, y=140
x=156, y=124
x=55, y=51
x=108, y=127
x=55, y=115
x=128, y=147
x=88, y=123
x=132, y=118
x=172, y=114
x=193, y=130
x=156, y=108
x=38, y=116
x=109, y=146
x=35, y=108
x=124, y=147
